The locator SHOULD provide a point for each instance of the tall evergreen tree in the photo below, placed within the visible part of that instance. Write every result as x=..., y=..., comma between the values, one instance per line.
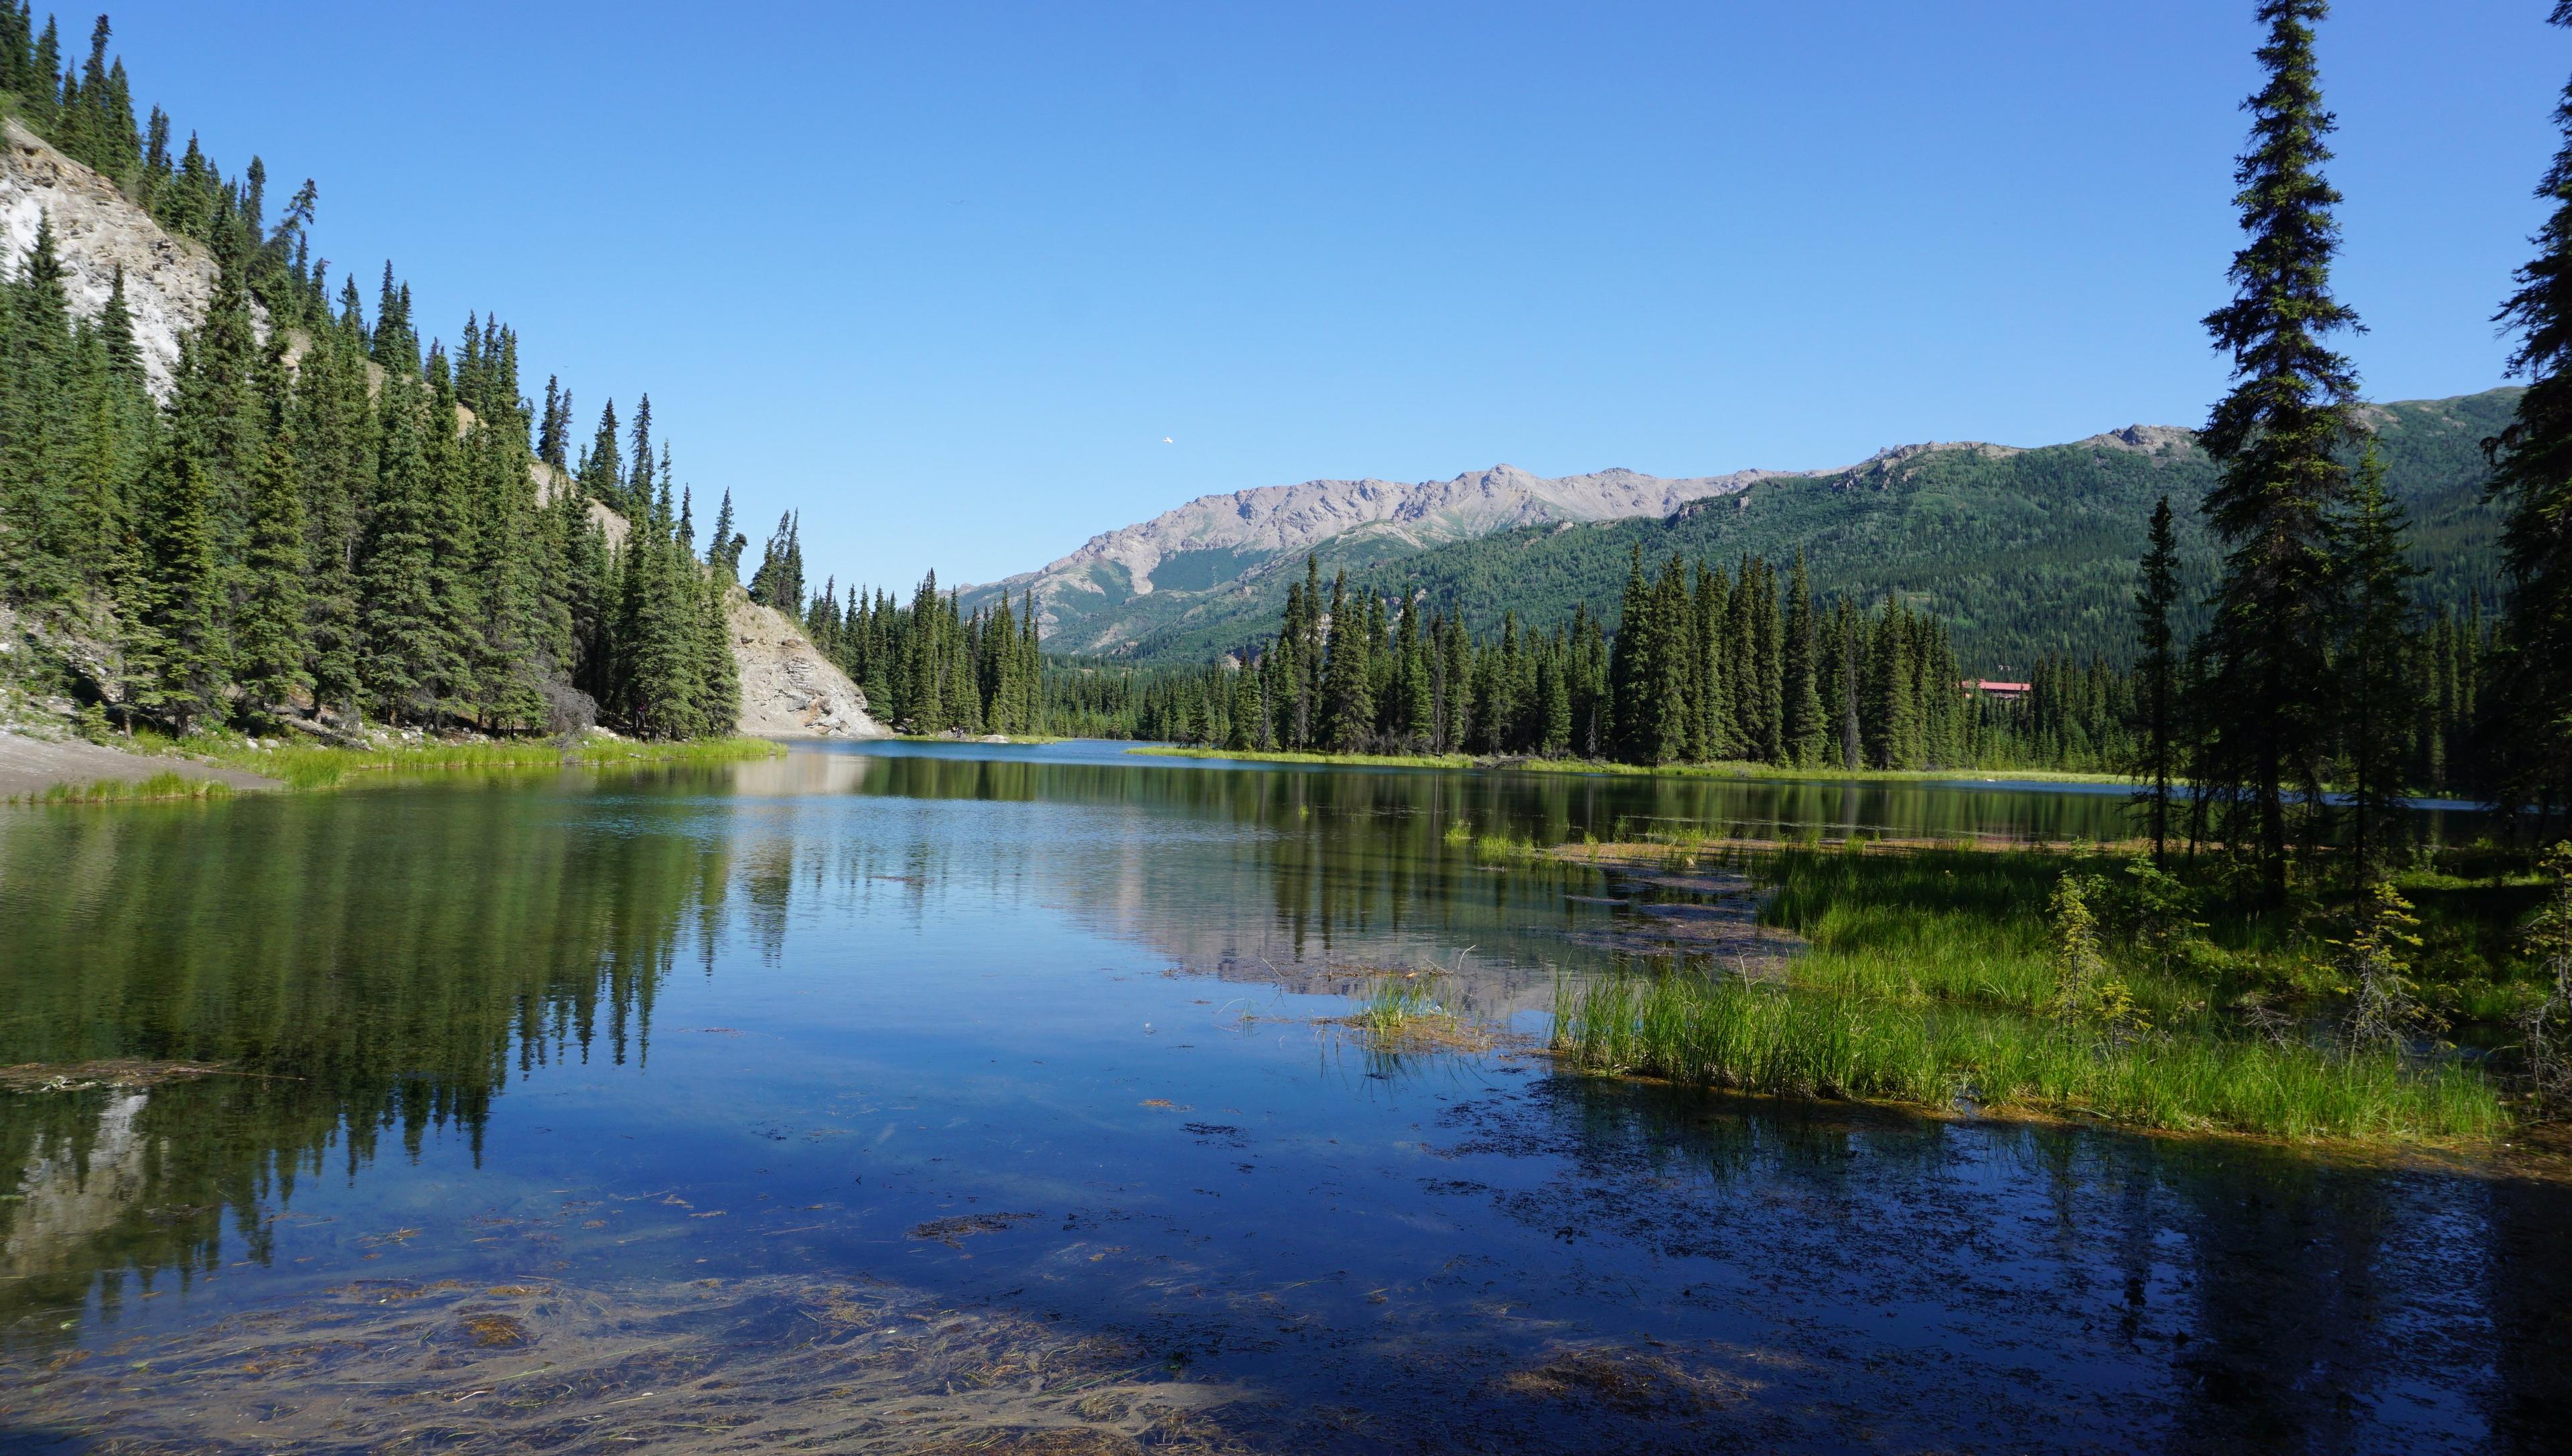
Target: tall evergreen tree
x=2157, y=673
x=2377, y=693
x=179, y=642
x=1807, y=731
x=1347, y=692
x=268, y=641
x=2533, y=473
x=2277, y=437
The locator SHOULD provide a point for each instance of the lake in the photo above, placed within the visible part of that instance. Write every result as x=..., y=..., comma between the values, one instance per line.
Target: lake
x=905, y=1097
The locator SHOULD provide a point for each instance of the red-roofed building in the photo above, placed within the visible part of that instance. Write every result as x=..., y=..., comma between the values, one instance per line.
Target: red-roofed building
x=2011, y=691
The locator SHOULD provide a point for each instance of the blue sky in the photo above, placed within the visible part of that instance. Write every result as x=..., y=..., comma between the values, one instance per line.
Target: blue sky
x=948, y=277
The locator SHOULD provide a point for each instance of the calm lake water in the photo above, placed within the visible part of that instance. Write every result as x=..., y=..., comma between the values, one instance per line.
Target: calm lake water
x=988, y=1099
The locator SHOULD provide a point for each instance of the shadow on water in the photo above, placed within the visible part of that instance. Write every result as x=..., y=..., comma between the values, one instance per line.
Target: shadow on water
x=885, y=1102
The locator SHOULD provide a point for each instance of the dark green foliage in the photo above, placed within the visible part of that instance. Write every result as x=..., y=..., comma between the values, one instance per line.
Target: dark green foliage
x=2378, y=688
x=2533, y=459
x=2278, y=437
x=1654, y=693
x=779, y=581
x=269, y=624
x=2156, y=679
x=285, y=538
x=1348, y=698
x=180, y=655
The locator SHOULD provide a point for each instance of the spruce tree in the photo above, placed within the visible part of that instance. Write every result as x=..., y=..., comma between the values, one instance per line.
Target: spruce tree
x=2533, y=474
x=2377, y=694
x=180, y=642
x=2157, y=672
x=1807, y=731
x=602, y=466
x=404, y=662
x=35, y=367
x=1630, y=668
x=1851, y=637
x=1712, y=706
x=1347, y=693
x=268, y=636
x=718, y=695
x=2276, y=438
x=1768, y=655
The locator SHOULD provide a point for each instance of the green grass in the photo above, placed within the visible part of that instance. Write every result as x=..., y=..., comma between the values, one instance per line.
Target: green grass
x=1927, y=977
x=1344, y=760
x=1726, y=770
x=1398, y=1002
x=107, y=791
x=1808, y=1043
x=321, y=766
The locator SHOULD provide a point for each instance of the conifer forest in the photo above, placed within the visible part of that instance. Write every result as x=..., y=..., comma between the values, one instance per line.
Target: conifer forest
x=324, y=519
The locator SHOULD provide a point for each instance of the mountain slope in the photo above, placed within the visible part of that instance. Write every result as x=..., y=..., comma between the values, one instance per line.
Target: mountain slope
x=168, y=280
x=1123, y=585
x=2024, y=552
x=788, y=688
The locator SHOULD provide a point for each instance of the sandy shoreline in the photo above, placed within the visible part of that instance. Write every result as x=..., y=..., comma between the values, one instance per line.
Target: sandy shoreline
x=32, y=765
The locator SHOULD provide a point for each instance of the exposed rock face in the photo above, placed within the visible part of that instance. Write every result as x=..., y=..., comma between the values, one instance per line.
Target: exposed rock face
x=169, y=281
x=2150, y=440
x=788, y=688
x=551, y=482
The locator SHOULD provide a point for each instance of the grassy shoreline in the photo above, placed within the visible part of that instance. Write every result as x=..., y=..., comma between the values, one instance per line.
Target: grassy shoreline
x=1931, y=978
x=1723, y=770
x=313, y=766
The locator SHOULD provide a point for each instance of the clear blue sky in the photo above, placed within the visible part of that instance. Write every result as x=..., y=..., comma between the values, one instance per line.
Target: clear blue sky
x=946, y=275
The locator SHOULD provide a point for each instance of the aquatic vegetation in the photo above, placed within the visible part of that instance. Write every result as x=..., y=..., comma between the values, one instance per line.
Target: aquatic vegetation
x=39, y=1077
x=321, y=766
x=1806, y=1043
x=1407, y=1011
x=167, y=785
x=639, y=1365
x=2022, y=980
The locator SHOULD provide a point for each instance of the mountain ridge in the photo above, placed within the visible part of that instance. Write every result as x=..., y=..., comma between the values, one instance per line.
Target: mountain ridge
x=1215, y=539
x=2029, y=548
x=1096, y=598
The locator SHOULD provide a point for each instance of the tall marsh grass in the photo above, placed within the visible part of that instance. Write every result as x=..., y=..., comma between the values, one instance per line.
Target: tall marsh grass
x=115, y=791
x=1929, y=976
x=1809, y=1043
x=315, y=766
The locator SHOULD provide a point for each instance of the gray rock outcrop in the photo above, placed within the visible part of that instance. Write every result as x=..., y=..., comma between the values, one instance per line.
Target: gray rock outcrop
x=169, y=281
x=788, y=688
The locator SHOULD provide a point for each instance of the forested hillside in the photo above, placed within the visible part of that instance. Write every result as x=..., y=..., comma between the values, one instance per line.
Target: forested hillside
x=2021, y=552
x=318, y=518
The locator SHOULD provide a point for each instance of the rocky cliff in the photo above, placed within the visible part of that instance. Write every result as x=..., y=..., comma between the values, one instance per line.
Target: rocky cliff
x=169, y=281
x=788, y=688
